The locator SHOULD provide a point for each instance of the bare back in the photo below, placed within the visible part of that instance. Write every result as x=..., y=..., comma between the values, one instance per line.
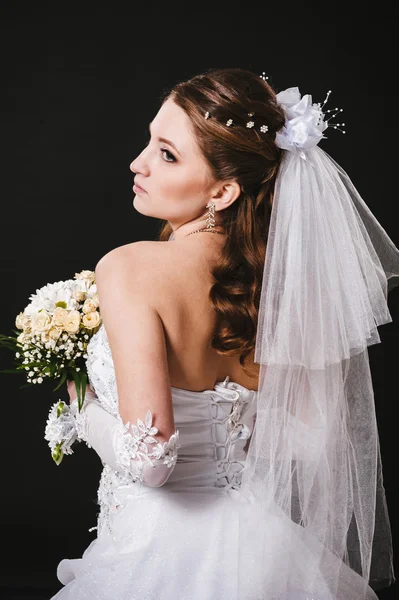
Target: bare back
x=181, y=297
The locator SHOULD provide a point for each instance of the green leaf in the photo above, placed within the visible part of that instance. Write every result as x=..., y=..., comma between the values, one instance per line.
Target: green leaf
x=9, y=343
x=27, y=385
x=62, y=380
x=84, y=382
x=77, y=379
x=57, y=454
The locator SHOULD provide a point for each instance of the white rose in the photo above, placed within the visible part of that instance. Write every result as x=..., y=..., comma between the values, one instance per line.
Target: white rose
x=91, y=320
x=72, y=322
x=41, y=321
x=60, y=317
x=21, y=338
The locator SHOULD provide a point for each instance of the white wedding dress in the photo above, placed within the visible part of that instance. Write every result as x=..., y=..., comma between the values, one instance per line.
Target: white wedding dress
x=178, y=541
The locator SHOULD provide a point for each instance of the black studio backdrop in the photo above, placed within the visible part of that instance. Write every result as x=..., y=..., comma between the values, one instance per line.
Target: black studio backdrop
x=80, y=83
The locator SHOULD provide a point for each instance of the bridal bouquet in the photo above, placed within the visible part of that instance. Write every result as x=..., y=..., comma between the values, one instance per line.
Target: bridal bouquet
x=54, y=331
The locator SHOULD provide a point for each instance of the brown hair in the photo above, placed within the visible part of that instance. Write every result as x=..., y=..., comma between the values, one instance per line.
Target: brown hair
x=252, y=159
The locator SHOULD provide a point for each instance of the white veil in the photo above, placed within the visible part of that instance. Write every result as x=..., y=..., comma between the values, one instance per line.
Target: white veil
x=312, y=488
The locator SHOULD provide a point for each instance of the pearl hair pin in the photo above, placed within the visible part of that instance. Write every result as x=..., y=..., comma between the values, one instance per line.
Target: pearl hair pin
x=250, y=124
x=338, y=110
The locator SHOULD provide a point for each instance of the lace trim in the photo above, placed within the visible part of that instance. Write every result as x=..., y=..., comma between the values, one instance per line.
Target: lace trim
x=131, y=445
x=107, y=499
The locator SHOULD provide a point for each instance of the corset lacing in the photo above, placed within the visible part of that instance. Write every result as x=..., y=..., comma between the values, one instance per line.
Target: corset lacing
x=229, y=469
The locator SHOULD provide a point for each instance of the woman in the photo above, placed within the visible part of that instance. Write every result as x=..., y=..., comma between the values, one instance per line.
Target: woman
x=175, y=390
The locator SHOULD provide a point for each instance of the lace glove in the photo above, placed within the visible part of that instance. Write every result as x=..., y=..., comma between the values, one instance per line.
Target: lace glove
x=126, y=447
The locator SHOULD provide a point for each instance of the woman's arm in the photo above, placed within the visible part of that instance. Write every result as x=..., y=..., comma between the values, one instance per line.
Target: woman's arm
x=132, y=450
x=129, y=449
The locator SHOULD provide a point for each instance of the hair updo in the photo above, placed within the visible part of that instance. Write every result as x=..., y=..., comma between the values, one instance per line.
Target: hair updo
x=252, y=158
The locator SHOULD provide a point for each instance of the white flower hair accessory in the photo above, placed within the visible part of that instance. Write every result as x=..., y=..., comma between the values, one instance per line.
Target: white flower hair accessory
x=305, y=122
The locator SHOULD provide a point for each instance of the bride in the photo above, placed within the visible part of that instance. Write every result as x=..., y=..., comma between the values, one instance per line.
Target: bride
x=177, y=408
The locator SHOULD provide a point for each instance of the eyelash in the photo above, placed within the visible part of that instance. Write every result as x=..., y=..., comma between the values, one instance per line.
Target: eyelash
x=170, y=154
x=163, y=150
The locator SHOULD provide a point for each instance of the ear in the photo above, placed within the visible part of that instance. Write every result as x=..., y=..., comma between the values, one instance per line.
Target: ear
x=226, y=194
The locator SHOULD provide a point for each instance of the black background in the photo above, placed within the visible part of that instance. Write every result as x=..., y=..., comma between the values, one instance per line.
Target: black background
x=80, y=82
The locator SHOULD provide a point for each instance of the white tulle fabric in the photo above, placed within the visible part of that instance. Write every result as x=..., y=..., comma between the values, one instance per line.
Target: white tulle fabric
x=314, y=458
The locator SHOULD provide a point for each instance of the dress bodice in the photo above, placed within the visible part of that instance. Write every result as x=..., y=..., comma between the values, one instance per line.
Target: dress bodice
x=214, y=426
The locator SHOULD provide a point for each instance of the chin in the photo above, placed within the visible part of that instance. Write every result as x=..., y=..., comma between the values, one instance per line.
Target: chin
x=144, y=208
x=139, y=205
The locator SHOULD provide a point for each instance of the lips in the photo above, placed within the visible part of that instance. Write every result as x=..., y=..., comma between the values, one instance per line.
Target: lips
x=139, y=186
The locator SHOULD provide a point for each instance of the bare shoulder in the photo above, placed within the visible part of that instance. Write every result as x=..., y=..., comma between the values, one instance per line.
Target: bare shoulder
x=140, y=259
x=135, y=255
x=147, y=264
x=158, y=254
x=159, y=267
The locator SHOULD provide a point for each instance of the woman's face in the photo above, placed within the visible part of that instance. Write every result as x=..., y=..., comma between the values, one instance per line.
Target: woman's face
x=177, y=182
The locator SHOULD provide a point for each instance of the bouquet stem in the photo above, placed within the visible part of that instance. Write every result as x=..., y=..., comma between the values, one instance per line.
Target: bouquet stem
x=80, y=379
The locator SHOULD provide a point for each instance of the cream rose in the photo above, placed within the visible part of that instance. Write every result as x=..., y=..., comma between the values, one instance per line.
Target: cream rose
x=21, y=338
x=95, y=299
x=41, y=321
x=26, y=322
x=88, y=275
x=72, y=322
x=79, y=295
x=60, y=317
x=54, y=333
x=89, y=306
x=45, y=337
x=91, y=319
x=18, y=321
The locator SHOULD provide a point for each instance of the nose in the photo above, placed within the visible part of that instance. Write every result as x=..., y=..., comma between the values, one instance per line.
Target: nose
x=138, y=165
x=132, y=166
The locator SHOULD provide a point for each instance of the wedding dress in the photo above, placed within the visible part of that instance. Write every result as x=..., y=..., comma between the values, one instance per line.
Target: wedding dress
x=178, y=540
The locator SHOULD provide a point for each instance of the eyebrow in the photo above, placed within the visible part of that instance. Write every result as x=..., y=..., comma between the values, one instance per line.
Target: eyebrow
x=161, y=139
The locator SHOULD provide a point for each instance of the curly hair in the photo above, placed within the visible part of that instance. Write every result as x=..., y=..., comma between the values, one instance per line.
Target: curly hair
x=251, y=158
